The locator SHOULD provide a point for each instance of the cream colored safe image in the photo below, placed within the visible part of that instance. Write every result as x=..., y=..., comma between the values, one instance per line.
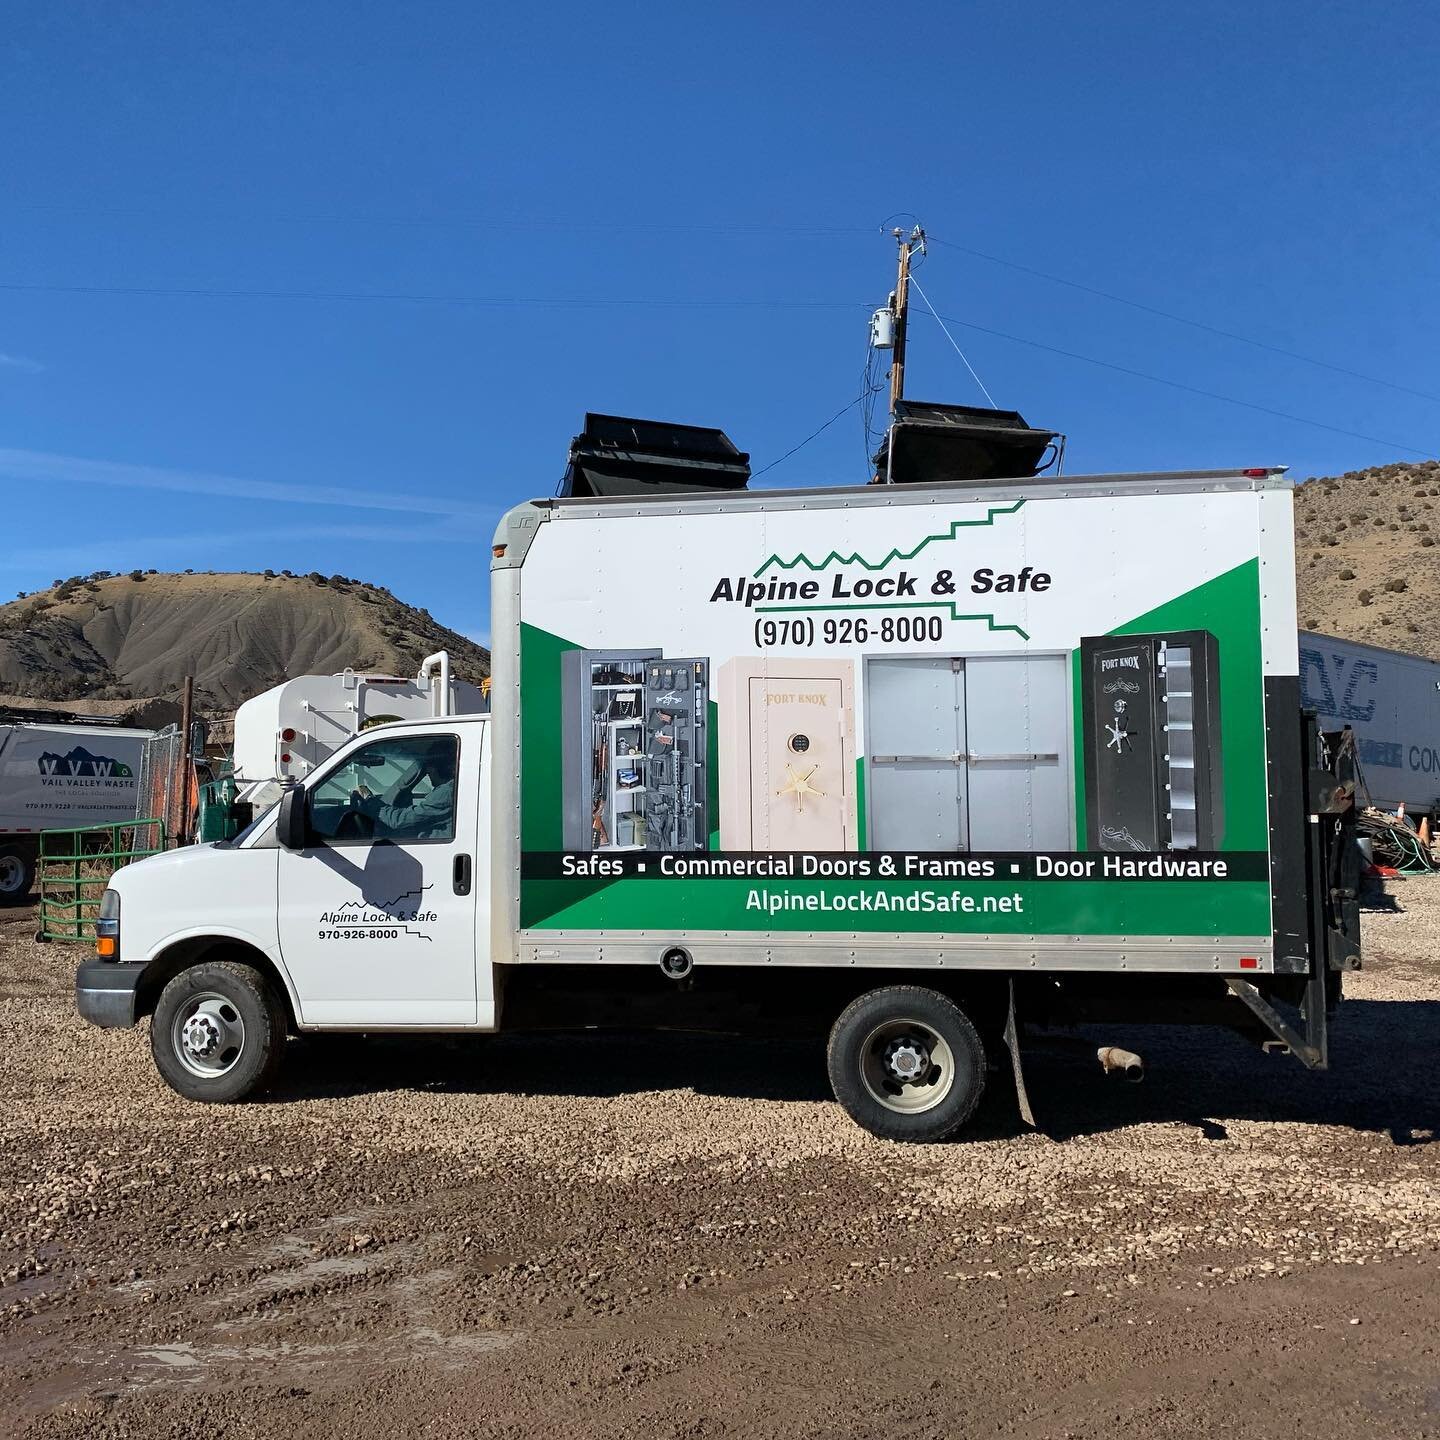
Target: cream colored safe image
x=787, y=754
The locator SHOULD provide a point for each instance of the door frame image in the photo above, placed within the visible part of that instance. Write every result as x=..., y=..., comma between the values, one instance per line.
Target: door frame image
x=1067, y=752
x=731, y=690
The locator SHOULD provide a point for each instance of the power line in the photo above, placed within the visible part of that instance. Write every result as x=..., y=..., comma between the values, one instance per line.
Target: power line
x=581, y=302
x=844, y=410
x=650, y=302
x=1186, y=320
x=1194, y=389
x=512, y=223
x=465, y=222
x=953, y=343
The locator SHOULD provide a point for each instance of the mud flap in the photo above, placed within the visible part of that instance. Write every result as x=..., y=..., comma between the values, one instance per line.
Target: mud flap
x=1012, y=1043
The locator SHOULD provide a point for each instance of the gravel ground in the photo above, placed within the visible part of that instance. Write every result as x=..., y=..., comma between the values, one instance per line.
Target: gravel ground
x=667, y=1236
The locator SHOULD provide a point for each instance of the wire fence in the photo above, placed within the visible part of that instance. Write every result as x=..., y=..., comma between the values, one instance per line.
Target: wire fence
x=167, y=788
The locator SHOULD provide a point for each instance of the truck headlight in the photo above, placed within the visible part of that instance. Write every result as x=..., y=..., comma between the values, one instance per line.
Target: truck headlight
x=107, y=926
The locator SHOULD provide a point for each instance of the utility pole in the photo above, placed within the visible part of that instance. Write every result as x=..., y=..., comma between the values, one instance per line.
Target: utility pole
x=184, y=768
x=900, y=306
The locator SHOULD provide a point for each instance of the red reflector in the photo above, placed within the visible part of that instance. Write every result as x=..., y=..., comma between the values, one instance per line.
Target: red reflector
x=1249, y=962
x=1255, y=474
x=287, y=734
x=285, y=759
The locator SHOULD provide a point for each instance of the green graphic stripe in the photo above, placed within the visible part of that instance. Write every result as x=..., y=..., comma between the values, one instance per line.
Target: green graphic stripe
x=1051, y=907
x=862, y=820
x=836, y=558
x=949, y=605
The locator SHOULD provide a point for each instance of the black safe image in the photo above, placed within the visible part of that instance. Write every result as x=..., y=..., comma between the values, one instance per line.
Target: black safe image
x=635, y=750
x=1152, y=741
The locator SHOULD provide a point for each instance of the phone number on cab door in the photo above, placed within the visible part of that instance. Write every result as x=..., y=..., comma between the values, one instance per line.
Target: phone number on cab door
x=359, y=935
x=801, y=630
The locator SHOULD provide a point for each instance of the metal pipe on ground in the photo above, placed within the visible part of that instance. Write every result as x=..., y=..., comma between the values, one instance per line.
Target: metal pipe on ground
x=1115, y=1061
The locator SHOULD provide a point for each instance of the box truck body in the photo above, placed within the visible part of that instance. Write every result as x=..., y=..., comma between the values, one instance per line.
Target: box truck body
x=943, y=759
x=956, y=726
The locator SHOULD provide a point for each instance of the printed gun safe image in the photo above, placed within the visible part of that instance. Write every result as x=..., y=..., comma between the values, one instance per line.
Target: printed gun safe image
x=1152, y=741
x=635, y=769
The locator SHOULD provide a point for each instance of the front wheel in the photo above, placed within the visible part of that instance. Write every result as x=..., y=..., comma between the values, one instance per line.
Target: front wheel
x=906, y=1064
x=218, y=1033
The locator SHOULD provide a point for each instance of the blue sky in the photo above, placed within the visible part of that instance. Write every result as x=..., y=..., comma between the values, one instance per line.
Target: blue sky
x=680, y=209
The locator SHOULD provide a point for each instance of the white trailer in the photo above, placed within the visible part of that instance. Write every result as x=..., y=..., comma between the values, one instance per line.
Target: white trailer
x=918, y=763
x=1392, y=702
x=282, y=734
x=59, y=775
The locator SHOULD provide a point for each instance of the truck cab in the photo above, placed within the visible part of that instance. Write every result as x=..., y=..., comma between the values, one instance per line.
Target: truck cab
x=358, y=902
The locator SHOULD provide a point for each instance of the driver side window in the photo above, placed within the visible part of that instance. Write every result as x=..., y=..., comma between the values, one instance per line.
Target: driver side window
x=400, y=789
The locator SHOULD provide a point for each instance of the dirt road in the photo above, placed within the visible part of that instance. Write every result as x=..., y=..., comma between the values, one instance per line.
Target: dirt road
x=675, y=1237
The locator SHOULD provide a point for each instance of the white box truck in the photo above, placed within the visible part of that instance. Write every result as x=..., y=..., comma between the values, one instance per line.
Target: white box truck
x=59, y=774
x=1391, y=701
x=928, y=765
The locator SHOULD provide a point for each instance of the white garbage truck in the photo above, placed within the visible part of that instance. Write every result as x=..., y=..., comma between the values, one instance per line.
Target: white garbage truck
x=59, y=772
x=930, y=766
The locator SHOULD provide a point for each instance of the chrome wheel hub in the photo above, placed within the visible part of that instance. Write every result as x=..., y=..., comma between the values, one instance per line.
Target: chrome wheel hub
x=208, y=1035
x=202, y=1036
x=907, y=1066
x=907, y=1060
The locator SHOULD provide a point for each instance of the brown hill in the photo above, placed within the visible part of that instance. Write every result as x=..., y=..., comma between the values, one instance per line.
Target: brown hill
x=1367, y=559
x=139, y=635
x=1367, y=556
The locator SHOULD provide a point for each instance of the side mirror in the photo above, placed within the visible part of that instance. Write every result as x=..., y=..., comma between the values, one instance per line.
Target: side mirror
x=290, y=824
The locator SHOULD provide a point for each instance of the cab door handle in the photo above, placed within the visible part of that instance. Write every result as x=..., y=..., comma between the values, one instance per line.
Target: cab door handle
x=461, y=871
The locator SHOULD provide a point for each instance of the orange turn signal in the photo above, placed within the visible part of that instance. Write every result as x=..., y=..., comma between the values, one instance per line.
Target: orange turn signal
x=105, y=947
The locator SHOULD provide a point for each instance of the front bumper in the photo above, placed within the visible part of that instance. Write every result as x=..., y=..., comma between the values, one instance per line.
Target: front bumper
x=106, y=993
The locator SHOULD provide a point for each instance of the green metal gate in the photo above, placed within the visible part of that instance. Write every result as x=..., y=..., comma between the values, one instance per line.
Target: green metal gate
x=74, y=867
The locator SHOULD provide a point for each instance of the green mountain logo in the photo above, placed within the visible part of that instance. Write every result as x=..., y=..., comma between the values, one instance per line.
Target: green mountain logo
x=80, y=762
x=890, y=558
x=836, y=558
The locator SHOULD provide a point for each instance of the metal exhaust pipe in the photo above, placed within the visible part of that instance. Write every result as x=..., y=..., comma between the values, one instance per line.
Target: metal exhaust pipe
x=1115, y=1061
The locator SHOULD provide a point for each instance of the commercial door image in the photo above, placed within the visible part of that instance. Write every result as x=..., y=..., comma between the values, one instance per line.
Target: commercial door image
x=969, y=754
x=788, y=732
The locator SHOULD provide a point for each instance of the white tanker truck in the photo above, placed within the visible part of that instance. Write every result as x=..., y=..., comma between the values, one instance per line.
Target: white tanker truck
x=282, y=734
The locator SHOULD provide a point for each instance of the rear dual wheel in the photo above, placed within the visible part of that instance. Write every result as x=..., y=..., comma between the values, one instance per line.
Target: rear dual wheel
x=906, y=1064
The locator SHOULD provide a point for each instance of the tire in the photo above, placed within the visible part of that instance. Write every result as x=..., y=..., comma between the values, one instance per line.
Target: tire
x=899, y=1030
x=218, y=1033
x=17, y=871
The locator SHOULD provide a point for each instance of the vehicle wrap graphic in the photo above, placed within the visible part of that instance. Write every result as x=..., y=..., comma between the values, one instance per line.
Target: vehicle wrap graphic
x=860, y=775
